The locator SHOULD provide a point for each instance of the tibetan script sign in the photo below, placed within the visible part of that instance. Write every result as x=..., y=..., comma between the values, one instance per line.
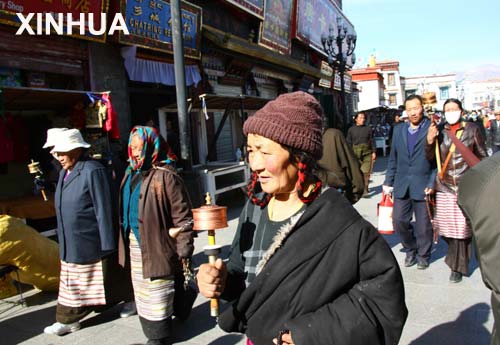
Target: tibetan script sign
x=9, y=8
x=150, y=25
x=255, y=7
x=275, y=30
x=314, y=19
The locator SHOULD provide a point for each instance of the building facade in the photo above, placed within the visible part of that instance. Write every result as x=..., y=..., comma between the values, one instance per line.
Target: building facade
x=444, y=86
x=237, y=55
x=479, y=95
x=371, y=88
x=380, y=84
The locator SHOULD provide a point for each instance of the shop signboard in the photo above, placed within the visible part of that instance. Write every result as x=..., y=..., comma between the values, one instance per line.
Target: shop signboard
x=326, y=69
x=347, y=82
x=150, y=25
x=9, y=8
x=314, y=19
x=325, y=83
x=275, y=30
x=255, y=7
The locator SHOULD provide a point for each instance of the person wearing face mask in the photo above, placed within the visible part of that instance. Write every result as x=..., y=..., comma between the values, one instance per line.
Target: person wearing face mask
x=453, y=161
x=303, y=264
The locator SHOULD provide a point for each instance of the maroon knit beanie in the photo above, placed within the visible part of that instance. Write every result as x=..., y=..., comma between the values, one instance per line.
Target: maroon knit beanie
x=293, y=119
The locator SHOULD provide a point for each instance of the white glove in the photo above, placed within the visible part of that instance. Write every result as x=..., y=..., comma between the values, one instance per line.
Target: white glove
x=387, y=189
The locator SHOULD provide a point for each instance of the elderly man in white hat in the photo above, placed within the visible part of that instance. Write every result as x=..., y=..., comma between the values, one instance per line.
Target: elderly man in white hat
x=404, y=116
x=48, y=180
x=52, y=134
x=86, y=235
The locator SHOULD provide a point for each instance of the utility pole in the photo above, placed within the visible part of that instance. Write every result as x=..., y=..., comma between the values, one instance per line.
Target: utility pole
x=180, y=83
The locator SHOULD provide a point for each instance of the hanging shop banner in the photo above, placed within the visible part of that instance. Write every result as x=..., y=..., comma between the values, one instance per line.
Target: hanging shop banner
x=150, y=25
x=314, y=19
x=275, y=30
x=9, y=8
x=255, y=7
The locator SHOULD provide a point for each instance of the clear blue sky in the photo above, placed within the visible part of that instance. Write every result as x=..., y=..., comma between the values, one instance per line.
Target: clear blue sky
x=427, y=36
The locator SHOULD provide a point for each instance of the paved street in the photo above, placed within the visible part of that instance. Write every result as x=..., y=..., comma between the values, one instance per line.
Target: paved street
x=439, y=312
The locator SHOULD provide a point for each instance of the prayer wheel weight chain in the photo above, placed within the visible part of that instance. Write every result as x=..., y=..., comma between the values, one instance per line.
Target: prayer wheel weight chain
x=211, y=217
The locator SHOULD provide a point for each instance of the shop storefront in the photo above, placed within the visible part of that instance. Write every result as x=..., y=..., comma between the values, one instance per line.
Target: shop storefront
x=43, y=83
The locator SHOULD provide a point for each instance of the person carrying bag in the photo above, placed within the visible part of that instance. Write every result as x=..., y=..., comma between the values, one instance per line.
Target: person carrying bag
x=462, y=146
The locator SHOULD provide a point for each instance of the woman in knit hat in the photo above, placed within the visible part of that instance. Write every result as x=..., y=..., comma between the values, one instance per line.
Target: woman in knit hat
x=304, y=265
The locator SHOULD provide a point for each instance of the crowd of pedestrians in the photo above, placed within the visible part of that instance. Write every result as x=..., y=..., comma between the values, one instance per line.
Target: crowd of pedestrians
x=304, y=266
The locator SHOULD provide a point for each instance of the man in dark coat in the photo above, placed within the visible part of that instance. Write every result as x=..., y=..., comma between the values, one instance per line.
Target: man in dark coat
x=495, y=132
x=478, y=197
x=341, y=165
x=411, y=176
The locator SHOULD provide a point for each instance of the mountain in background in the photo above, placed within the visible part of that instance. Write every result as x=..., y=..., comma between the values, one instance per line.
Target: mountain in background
x=480, y=73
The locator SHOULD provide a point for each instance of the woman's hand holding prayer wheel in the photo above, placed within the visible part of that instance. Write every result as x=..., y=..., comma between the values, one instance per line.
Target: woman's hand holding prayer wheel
x=212, y=279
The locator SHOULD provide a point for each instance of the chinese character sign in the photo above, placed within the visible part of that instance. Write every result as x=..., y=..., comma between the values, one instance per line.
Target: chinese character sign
x=276, y=27
x=150, y=25
x=314, y=19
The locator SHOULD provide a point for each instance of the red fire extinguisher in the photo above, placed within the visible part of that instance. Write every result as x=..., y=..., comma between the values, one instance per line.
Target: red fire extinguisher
x=384, y=213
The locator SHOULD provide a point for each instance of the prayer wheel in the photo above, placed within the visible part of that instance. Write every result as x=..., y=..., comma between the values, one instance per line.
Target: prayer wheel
x=34, y=169
x=210, y=218
x=429, y=98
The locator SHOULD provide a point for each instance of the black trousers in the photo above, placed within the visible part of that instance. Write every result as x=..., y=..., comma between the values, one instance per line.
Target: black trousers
x=416, y=240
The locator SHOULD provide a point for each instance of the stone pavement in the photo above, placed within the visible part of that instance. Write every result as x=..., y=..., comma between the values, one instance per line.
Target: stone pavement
x=439, y=312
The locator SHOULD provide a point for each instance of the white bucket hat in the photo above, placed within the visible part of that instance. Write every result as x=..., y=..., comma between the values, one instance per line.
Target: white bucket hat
x=404, y=115
x=52, y=134
x=69, y=140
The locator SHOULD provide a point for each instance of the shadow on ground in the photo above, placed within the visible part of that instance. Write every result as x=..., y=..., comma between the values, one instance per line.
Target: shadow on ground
x=199, y=322
x=471, y=320
x=229, y=339
x=26, y=326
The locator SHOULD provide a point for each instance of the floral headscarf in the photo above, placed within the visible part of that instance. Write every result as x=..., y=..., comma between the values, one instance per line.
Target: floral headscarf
x=154, y=152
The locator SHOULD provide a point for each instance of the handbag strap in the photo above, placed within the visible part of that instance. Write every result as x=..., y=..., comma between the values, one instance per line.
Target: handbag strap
x=468, y=155
x=450, y=152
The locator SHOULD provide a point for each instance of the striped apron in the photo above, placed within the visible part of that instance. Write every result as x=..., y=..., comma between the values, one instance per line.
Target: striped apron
x=449, y=219
x=154, y=298
x=81, y=285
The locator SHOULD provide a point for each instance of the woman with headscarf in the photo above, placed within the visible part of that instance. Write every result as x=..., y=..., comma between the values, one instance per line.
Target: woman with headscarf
x=90, y=277
x=449, y=219
x=156, y=233
x=304, y=265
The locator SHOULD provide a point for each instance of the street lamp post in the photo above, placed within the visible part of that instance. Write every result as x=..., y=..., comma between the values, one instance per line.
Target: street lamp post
x=333, y=45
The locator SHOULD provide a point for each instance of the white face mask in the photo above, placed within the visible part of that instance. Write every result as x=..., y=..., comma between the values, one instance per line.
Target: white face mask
x=452, y=117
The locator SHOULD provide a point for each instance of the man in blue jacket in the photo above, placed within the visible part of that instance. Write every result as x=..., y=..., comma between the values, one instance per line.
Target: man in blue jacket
x=410, y=176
